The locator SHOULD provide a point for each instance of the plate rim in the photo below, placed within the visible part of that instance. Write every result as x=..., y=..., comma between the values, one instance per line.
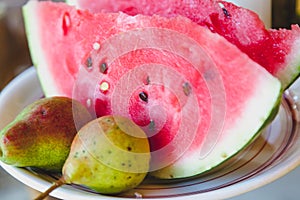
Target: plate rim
x=29, y=76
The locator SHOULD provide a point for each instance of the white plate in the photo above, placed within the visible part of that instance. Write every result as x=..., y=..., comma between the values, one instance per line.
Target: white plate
x=275, y=153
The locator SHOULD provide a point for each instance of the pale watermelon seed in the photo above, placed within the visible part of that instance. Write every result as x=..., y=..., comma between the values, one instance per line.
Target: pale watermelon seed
x=88, y=102
x=221, y=5
x=104, y=86
x=96, y=46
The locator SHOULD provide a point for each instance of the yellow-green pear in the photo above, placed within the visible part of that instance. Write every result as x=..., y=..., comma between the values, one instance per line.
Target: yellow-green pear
x=109, y=155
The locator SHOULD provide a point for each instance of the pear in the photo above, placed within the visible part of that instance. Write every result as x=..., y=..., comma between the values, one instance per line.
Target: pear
x=109, y=155
x=42, y=133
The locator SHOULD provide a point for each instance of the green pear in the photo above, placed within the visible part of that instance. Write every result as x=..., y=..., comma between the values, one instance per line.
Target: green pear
x=42, y=134
x=109, y=155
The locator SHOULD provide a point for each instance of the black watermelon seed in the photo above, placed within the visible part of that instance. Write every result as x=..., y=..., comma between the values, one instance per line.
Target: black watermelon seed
x=186, y=89
x=226, y=13
x=147, y=81
x=103, y=68
x=89, y=63
x=143, y=96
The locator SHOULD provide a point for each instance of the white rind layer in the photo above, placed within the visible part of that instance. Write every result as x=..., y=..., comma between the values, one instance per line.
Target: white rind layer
x=38, y=57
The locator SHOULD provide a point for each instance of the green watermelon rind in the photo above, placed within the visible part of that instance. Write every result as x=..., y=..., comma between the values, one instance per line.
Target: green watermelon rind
x=268, y=121
x=291, y=72
x=288, y=76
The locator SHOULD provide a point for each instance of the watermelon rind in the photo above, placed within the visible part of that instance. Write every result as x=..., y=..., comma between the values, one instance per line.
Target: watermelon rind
x=169, y=172
x=259, y=110
x=224, y=151
x=288, y=74
x=37, y=56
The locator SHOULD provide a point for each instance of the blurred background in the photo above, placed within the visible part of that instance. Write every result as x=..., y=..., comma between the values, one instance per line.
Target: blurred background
x=14, y=55
x=14, y=58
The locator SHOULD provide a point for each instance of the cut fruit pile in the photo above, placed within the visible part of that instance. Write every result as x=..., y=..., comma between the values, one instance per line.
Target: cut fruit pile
x=198, y=97
x=276, y=50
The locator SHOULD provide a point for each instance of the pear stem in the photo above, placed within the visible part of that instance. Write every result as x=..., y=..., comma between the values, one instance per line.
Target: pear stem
x=55, y=185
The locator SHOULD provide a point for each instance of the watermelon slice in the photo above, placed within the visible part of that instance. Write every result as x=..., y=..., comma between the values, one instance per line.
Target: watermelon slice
x=198, y=97
x=276, y=50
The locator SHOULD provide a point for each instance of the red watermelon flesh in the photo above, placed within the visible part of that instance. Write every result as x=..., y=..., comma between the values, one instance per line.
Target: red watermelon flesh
x=276, y=50
x=175, y=79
